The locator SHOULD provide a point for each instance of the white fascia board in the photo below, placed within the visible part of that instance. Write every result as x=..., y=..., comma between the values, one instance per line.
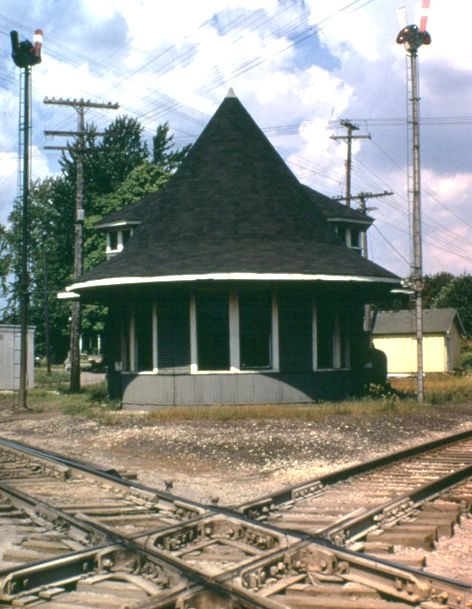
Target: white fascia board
x=117, y=281
x=118, y=224
x=67, y=295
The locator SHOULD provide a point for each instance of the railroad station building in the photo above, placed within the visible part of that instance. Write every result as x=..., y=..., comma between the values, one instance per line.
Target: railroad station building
x=235, y=283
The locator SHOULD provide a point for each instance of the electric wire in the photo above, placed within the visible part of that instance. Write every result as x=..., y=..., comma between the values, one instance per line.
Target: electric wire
x=171, y=105
x=430, y=220
x=435, y=233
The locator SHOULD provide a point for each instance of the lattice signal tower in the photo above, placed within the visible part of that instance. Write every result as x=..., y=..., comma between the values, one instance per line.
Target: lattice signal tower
x=25, y=55
x=413, y=37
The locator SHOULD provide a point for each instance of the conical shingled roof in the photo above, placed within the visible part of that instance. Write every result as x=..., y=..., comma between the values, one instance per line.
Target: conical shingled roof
x=233, y=207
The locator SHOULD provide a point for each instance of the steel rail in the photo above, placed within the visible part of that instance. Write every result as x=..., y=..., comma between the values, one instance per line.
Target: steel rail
x=40, y=509
x=256, y=507
x=251, y=508
x=323, y=556
x=309, y=554
x=394, y=509
x=112, y=476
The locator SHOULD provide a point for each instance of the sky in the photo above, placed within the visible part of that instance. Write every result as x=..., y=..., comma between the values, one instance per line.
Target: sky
x=298, y=66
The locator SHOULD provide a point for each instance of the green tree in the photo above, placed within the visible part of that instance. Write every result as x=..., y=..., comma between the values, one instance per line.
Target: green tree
x=145, y=177
x=118, y=170
x=5, y=259
x=142, y=180
x=164, y=154
x=50, y=255
x=432, y=286
x=458, y=294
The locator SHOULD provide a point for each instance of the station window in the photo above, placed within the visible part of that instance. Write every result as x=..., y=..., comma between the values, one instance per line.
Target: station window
x=226, y=333
x=143, y=331
x=325, y=336
x=212, y=318
x=126, y=329
x=255, y=330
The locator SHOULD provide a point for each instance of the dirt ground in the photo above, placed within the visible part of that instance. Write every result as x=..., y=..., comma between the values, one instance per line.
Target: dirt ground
x=231, y=461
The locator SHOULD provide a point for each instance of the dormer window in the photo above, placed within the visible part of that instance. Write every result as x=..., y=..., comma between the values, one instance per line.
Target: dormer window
x=117, y=239
x=355, y=239
x=341, y=230
x=125, y=235
x=351, y=236
x=112, y=242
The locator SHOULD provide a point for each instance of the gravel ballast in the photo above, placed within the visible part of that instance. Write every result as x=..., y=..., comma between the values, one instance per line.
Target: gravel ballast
x=233, y=462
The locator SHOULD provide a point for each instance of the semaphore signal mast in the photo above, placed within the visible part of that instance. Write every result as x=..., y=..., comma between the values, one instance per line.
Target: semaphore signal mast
x=413, y=37
x=25, y=55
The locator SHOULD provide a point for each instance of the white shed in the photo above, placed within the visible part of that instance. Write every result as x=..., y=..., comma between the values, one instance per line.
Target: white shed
x=10, y=349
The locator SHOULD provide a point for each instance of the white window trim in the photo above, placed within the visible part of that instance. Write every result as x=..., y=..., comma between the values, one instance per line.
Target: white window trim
x=350, y=244
x=234, y=344
x=119, y=240
x=132, y=367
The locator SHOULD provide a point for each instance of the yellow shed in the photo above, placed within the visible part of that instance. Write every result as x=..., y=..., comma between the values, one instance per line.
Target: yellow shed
x=394, y=333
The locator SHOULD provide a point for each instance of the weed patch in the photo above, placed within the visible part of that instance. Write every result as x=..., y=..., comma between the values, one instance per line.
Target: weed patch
x=398, y=397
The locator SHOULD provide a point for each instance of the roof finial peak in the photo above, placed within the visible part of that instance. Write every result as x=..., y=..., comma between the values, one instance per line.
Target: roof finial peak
x=231, y=92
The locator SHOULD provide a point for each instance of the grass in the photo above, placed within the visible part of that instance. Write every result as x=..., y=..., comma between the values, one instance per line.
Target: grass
x=439, y=388
x=51, y=395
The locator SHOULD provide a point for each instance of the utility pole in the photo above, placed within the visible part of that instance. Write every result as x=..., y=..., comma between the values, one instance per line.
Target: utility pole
x=47, y=325
x=79, y=106
x=348, y=138
x=362, y=197
x=25, y=55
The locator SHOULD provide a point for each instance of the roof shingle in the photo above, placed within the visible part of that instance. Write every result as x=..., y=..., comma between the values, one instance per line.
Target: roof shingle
x=232, y=207
x=404, y=322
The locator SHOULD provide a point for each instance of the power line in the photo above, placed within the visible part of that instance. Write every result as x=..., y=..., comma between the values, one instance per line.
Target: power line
x=401, y=121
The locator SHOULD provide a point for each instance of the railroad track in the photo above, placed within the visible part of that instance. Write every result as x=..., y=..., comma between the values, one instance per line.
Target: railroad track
x=399, y=500
x=77, y=537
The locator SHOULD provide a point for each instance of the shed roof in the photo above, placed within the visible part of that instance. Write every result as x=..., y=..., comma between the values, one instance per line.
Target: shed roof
x=404, y=322
x=232, y=210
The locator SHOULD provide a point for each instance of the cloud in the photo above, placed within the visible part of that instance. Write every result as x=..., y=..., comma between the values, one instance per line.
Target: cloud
x=297, y=65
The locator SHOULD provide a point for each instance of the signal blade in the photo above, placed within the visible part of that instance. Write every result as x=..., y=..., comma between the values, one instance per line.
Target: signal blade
x=425, y=4
x=402, y=17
